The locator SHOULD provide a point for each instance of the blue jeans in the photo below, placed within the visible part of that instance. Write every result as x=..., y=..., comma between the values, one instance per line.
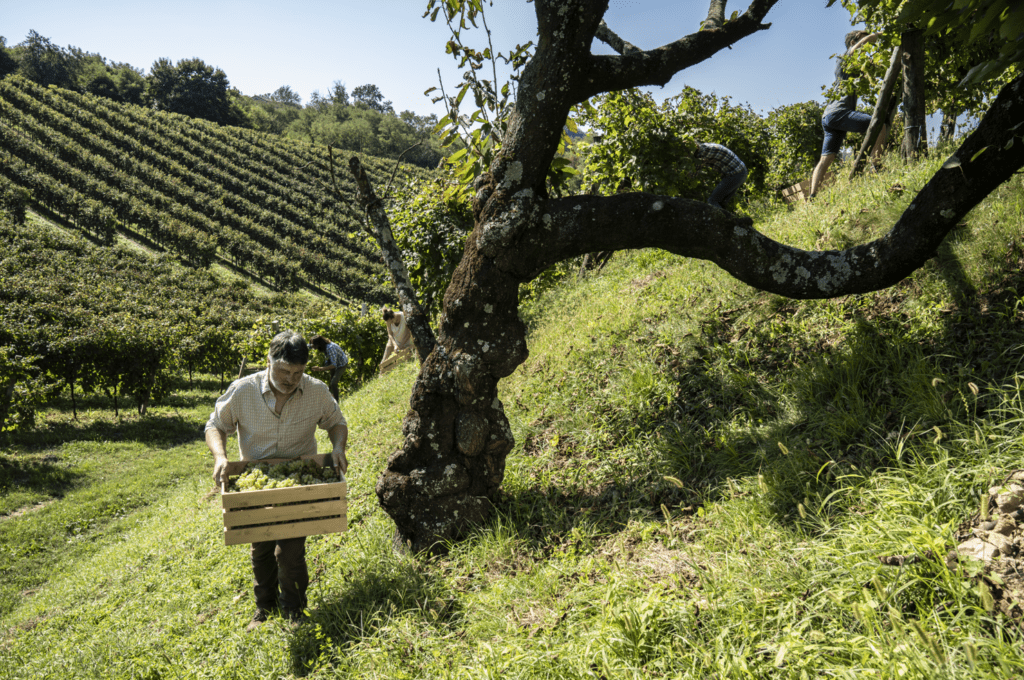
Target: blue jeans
x=726, y=188
x=837, y=123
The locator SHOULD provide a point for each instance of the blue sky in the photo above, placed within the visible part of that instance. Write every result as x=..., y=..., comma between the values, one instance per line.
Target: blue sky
x=262, y=45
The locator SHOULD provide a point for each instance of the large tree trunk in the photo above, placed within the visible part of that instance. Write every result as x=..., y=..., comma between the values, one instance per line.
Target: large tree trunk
x=915, y=132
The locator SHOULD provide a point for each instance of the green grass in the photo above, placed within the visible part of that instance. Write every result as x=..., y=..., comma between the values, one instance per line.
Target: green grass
x=704, y=481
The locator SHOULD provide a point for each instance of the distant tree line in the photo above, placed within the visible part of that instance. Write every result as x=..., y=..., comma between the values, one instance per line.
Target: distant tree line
x=363, y=121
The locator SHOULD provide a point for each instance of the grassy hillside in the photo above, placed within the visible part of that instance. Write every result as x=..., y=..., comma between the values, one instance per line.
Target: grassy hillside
x=709, y=482
x=262, y=203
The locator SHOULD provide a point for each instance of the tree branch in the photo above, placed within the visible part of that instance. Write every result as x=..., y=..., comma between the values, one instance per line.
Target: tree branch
x=716, y=16
x=610, y=38
x=657, y=66
x=422, y=334
x=985, y=160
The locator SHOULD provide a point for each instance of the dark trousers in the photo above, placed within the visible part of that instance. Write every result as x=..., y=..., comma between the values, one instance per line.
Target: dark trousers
x=334, y=383
x=280, y=566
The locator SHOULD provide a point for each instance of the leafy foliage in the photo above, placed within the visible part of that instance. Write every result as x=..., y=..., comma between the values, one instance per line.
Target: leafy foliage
x=363, y=338
x=366, y=124
x=478, y=135
x=962, y=25
x=966, y=44
x=430, y=228
x=192, y=88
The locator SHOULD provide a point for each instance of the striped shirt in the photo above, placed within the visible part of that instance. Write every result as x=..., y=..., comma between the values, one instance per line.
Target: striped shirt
x=248, y=409
x=336, y=356
x=720, y=158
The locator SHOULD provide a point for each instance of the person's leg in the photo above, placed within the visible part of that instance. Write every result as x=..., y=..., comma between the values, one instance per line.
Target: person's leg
x=726, y=188
x=264, y=571
x=334, y=383
x=818, y=176
x=740, y=178
x=293, y=574
x=832, y=142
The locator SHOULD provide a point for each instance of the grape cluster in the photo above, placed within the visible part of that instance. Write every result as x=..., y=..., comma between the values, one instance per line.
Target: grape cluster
x=295, y=473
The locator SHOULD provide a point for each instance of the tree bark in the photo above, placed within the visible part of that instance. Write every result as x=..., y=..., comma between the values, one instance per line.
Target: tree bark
x=380, y=227
x=880, y=116
x=610, y=38
x=915, y=131
x=716, y=15
x=456, y=436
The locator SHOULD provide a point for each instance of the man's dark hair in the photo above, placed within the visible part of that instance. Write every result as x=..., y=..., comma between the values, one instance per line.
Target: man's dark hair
x=388, y=315
x=289, y=347
x=319, y=342
x=853, y=36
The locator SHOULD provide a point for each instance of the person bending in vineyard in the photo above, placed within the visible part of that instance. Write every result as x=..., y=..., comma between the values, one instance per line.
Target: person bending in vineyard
x=336, y=360
x=842, y=116
x=276, y=412
x=734, y=172
x=399, y=340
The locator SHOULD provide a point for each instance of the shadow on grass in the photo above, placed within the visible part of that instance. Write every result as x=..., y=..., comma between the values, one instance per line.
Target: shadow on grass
x=39, y=474
x=155, y=431
x=850, y=404
x=175, y=420
x=370, y=597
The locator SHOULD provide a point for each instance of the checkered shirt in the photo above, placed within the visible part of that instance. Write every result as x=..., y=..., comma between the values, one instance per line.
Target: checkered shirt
x=248, y=408
x=336, y=356
x=720, y=158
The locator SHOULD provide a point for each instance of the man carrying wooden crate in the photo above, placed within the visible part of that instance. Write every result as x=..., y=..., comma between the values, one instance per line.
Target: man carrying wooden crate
x=275, y=413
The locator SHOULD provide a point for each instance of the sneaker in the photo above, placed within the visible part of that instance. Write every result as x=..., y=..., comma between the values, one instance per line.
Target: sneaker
x=258, y=618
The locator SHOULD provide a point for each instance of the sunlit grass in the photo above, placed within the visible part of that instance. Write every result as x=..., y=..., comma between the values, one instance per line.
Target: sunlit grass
x=704, y=482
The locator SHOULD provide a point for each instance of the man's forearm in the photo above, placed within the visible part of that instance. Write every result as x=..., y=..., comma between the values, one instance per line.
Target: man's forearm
x=217, y=442
x=339, y=436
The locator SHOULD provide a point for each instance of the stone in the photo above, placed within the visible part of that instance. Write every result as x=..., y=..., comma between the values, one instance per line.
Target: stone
x=978, y=549
x=1008, y=499
x=1005, y=526
x=1004, y=544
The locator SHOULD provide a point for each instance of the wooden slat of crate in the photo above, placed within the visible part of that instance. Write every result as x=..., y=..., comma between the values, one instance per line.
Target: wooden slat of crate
x=285, y=513
x=276, y=532
x=290, y=494
x=797, y=192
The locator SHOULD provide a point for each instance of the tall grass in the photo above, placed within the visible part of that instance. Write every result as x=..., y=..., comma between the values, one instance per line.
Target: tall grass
x=705, y=480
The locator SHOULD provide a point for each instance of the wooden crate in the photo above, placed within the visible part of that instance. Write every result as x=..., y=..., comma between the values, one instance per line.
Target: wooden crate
x=273, y=514
x=797, y=192
x=394, y=360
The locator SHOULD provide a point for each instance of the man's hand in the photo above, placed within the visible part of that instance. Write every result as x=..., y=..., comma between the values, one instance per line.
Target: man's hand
x=217, y=443
x=220, y=470
x=340, y=460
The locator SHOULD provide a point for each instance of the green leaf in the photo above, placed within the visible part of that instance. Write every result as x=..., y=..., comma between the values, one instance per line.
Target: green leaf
x=978, y=153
